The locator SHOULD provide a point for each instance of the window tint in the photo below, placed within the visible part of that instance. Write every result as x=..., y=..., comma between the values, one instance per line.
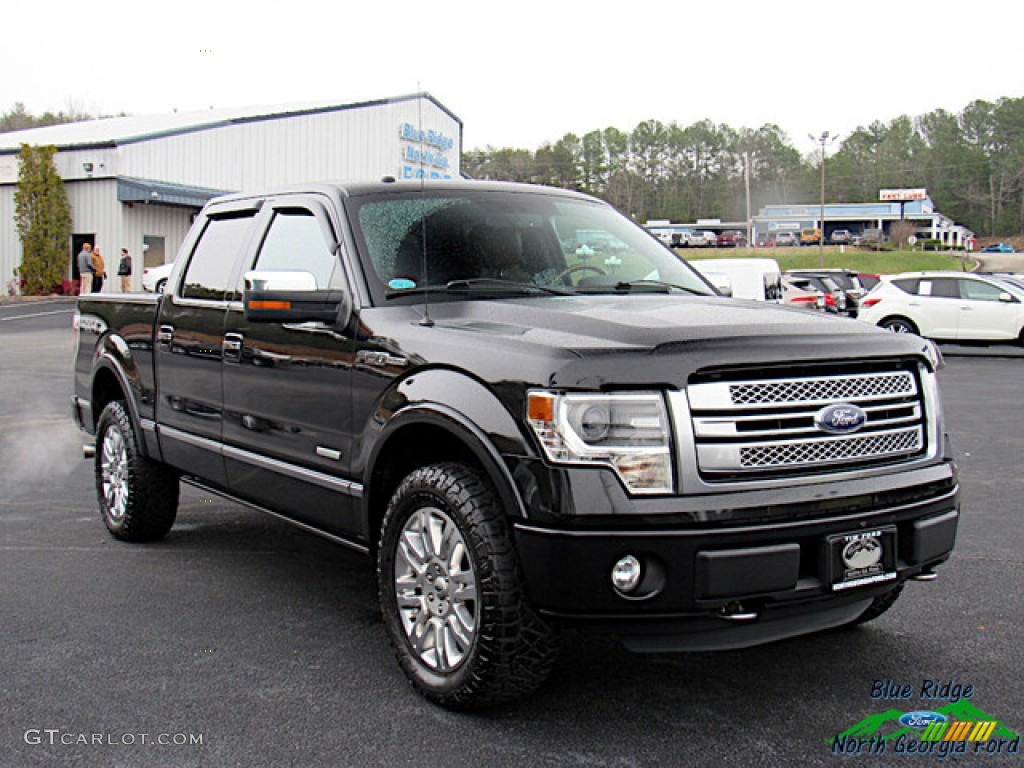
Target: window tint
x=209, y=271
x=940, y=288
x=979, y=291
x=908, y=285
x=294, y=242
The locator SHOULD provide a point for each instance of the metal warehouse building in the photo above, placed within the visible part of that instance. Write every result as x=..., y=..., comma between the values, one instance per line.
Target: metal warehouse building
x=914, y=206
x=137, y=182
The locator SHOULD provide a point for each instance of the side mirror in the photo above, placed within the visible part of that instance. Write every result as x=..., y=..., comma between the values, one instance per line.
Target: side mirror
x=279, y=280
x=292, y=297
x=1007, y=297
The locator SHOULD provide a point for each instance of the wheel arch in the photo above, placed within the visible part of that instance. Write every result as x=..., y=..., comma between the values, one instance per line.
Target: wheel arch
x=112, y=381
x=902, y=318
x=450, y=436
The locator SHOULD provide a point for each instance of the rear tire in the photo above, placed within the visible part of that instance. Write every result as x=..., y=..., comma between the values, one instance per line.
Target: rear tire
x=452, y=594
x=138, y=497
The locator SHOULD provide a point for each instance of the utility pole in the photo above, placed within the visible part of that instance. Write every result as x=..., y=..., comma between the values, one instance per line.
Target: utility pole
x=824, y=139
x=746, y=181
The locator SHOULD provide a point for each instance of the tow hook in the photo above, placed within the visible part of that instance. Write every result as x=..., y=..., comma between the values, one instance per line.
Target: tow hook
x=736, y=612
x=89, y=450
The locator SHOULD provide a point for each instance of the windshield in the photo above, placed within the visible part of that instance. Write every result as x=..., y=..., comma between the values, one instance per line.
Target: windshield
x=482, y=241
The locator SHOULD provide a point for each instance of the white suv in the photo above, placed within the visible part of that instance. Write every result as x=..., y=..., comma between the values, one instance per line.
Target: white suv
x=947, y=306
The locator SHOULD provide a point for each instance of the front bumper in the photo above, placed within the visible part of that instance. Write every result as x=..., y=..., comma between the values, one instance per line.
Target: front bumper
x=727, y=586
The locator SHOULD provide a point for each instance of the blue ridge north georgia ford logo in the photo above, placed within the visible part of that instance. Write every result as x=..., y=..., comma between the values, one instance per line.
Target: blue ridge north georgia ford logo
x=840, y=418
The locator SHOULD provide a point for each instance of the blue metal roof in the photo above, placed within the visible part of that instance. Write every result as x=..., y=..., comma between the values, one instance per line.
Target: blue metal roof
x=132, y=190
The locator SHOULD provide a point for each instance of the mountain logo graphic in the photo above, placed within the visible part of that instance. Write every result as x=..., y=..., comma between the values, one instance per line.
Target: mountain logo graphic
x=893, y=723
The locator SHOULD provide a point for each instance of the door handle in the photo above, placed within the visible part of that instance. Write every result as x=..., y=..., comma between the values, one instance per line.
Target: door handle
x=233, y=343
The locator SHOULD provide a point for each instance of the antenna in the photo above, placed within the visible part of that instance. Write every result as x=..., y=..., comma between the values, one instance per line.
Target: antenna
x=425, y=321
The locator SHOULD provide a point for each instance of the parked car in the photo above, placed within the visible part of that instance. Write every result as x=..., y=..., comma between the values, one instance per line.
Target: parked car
x=841, y=237
x=998, y=248
x=786, y=239
x=868, y=280
x=948, y=306
x=834, y=296
x=765, y=240
x=154, y=279
x=800, y=292
x=732, y=238
x=1014, y=280
x=847, y=280
x=663, y=234
x=705, y=239
x=687, y=238
x=810, y=236
x=754, y=279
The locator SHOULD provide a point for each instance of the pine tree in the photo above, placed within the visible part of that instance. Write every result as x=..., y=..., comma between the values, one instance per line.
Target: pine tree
x=43, y=218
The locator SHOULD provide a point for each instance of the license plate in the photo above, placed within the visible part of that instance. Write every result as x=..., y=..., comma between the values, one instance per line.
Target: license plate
x=862, y=558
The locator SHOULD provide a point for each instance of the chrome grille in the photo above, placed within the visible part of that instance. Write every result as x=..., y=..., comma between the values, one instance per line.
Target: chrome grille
x=765, y=427
x=829, y=451
x=823, y=389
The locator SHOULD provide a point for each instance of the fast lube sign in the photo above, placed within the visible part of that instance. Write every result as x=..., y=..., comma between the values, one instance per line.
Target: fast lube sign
x=425, y=153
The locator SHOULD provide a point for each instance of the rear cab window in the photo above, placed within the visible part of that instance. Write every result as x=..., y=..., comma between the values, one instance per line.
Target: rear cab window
x=211, y=267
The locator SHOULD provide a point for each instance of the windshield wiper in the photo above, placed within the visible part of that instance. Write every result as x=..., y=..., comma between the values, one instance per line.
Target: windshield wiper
x=628, y=286
x=481, y=283
x=497, y=282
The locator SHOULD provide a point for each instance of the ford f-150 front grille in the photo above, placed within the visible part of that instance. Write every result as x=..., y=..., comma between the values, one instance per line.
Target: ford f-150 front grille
x=779, y=426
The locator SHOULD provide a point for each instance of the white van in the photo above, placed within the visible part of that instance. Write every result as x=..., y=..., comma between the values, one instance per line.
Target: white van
x=757, y=279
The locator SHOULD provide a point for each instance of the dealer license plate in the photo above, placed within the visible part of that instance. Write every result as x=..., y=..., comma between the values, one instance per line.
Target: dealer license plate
x=862, y=558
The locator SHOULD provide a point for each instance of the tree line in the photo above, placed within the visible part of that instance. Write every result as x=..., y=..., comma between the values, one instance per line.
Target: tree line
x=972, y=164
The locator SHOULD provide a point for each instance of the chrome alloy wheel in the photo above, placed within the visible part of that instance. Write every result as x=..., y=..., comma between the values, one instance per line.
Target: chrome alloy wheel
x=436, y=590
x=114, y=469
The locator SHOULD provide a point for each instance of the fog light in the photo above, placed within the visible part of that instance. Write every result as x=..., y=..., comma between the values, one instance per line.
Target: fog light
x=626, y=574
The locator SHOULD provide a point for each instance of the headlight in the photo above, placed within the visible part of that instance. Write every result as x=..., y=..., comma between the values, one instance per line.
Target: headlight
x=628, y=432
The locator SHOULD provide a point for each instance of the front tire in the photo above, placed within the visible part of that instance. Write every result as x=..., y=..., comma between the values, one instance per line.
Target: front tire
x=898, y=325
x=138, y=497
x=452, y=594
x=879, y=606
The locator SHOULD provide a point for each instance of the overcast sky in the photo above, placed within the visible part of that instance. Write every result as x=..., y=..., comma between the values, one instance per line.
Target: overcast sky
x=525, y=72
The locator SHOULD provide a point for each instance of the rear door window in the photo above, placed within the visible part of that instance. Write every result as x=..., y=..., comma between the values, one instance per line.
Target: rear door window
x=212, y=265
x=940, y=288
x=908, y=285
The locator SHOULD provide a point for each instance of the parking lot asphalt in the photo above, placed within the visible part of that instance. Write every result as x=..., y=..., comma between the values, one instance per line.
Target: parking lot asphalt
x=242, y=641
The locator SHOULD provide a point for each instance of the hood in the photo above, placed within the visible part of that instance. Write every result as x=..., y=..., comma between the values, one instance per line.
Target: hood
x=655, y=339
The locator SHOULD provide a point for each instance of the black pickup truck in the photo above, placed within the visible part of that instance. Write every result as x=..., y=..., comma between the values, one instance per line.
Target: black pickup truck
x=530, y=414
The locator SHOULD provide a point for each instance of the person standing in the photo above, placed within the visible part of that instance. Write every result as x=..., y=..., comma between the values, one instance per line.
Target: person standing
x=99, y=270
x=85, y=269
x=124, y=271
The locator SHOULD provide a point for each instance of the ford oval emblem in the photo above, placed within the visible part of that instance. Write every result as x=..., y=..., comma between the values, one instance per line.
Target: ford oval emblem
x=840, y=418
x=921, y=719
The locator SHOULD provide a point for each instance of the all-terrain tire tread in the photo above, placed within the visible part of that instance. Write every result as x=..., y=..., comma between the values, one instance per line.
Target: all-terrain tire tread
x=153, y=487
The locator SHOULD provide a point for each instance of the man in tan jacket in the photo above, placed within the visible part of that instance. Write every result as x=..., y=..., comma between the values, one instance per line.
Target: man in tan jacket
x=99, y=270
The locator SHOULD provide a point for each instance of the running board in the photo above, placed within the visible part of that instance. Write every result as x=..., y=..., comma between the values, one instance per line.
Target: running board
x=361, y=548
